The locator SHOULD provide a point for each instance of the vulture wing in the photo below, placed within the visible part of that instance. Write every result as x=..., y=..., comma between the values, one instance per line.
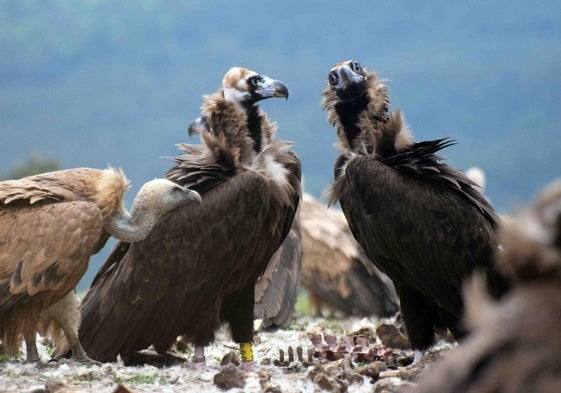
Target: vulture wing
x=42, y=258
x=277, y=289
x=335, y=270
x=174, y=281
x=26, y=191
x=426, y=237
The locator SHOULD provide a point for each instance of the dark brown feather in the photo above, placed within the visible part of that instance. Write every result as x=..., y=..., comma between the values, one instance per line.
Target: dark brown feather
x=419, y=220
x=198, y=269
x=515, y=345
x=336, y=272
x=276, y=290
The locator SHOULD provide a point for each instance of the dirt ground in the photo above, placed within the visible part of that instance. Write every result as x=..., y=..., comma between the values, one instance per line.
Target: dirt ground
x=343, y=355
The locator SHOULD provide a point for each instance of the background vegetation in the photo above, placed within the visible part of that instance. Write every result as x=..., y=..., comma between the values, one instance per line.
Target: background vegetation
x=92, y=83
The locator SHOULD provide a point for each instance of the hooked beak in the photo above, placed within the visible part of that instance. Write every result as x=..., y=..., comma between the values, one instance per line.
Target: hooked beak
x=193, y=196
x=271, y=88
x=198, y=126
x=351, y=85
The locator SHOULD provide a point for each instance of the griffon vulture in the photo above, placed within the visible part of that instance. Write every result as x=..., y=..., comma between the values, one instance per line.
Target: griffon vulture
x=335, y=270
x=276, y=290
x=198, y=268
x=50, y=225
x=515, y=344
x=422, y=222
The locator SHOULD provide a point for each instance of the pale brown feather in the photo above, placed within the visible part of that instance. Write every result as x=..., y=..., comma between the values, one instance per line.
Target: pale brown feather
x=51, y=223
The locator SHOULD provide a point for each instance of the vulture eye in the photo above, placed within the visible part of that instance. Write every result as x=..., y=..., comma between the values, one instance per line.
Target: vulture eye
x=332, y=78
x=255, y=81
x=355, y=66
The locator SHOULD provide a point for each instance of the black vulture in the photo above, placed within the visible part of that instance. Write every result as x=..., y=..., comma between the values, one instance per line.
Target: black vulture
x=198, y=268
x=276, y=290
x=50, y=225
x=421, y=221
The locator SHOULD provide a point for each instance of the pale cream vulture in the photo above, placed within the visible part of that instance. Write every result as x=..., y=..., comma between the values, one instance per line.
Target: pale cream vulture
x=50, y=225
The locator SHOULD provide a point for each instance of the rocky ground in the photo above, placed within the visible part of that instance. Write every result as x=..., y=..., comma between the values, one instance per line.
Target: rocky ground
x=312, y=355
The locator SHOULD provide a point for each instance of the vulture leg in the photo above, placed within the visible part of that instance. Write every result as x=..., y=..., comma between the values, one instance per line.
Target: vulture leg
x=31, y=346
x=454, y=324
x=200, y=354
x=237, y=310
x=314, y=304
x=418, y=315
x=71, y=332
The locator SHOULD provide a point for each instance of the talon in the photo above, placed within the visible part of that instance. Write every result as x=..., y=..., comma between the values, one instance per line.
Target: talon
x=249, y=366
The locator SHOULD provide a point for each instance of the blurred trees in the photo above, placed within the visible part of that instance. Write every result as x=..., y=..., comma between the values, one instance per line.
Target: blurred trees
x=35, y=164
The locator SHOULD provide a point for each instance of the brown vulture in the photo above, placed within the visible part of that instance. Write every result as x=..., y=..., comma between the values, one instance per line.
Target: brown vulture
x=421, y=221
x=50, y=225
x=335, y=271
x=515, y=344
x=276, y=290
x=198, y=268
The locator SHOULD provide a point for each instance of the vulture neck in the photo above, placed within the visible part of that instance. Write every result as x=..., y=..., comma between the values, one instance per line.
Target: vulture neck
x=254, y=127
x=349, y=116
x=133, y=226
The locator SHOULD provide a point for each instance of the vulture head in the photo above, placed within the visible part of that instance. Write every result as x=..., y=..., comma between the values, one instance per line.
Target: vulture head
x=248, y=87
x=162, y=195
x=348, y=80
x=154, y=198
x=358, y=104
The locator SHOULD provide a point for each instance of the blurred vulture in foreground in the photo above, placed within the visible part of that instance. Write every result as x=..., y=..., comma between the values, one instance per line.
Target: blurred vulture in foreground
x=198, y=268
x=50, y=225
x=335, y=270
x=276, y=290
x=420, y=221
x=515, y=345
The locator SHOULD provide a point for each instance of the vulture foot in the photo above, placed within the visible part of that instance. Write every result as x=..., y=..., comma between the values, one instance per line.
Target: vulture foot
x=249, y=367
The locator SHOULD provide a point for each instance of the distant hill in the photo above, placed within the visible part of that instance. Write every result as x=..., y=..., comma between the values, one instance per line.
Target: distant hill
x=92, y=83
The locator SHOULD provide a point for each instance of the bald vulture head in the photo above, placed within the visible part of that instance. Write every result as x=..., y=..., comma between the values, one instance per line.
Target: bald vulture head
x=154, y=198
x=161, y=195
x=248, y=87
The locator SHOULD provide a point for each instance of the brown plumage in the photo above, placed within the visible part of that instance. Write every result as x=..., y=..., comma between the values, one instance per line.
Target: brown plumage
x=197, y=269
x=276, y=290
x=515, y=345
x=50, y=225
x=335, y=270
x=420, y=221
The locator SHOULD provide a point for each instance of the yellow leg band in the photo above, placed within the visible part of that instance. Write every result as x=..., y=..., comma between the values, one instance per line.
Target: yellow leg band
x=246, y=350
